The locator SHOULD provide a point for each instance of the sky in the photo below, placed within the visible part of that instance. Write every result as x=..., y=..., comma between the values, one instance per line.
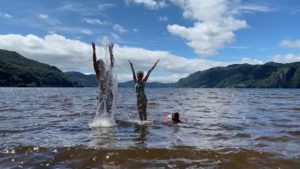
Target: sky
x=186, y=35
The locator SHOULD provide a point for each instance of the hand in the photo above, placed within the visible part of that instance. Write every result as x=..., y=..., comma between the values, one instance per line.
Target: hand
x=93, y=45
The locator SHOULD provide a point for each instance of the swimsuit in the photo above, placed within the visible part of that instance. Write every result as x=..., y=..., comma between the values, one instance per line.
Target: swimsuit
x=140, y=93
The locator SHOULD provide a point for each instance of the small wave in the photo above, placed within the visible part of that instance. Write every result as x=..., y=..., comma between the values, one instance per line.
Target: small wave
x=102, y=122
x=275, y=139
x=242, y=135
x=294, y=133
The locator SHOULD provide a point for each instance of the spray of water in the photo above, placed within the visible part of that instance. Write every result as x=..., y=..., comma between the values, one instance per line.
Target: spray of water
x=106, y=99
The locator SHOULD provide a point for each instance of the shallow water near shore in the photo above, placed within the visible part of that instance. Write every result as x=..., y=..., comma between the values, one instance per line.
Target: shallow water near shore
x=227, y=128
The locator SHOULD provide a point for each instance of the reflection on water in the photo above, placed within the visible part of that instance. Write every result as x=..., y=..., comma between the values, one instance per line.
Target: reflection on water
x=141, y=133
x=227, y=128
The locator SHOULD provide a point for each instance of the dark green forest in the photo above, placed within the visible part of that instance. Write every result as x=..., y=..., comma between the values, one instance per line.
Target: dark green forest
x=269, y=75
x=18, y=71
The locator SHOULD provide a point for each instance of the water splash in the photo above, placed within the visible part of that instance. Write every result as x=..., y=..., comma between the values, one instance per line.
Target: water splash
x=106, y=99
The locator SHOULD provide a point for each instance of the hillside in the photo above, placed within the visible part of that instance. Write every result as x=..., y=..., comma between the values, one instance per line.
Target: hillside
x=91, y=81
x=148, y=84
x=269, y=75
x=82, y=79
x=16, y=70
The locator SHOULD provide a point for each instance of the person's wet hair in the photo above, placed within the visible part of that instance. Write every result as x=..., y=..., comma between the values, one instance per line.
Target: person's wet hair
x=140, y=75
x=175, y=117
x=100, y=61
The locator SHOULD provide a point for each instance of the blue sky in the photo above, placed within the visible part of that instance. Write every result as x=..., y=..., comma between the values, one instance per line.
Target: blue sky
x=187, y=35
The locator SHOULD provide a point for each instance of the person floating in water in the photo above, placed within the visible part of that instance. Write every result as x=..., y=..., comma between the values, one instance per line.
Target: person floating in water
x=140, y=82
x=106, y=96
x=174, y=118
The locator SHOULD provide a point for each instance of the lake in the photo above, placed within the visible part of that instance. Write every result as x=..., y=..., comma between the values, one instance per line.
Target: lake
x=227, y=128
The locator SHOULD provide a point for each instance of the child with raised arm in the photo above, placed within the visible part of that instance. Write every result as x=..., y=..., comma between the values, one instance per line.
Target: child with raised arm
x=140, y=82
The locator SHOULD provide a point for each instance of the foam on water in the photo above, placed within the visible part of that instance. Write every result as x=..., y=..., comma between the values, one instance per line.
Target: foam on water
x=102, y=122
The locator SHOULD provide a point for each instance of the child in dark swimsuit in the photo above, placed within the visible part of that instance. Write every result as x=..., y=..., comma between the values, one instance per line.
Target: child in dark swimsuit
x=140, y=82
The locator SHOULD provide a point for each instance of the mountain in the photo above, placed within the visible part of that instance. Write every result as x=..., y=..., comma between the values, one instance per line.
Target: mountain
x=82, y=79
x=269, y=75
x=91, y=81
x=16, y=70
x=148, y=84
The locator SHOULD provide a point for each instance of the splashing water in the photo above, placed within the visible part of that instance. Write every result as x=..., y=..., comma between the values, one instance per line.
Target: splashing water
x=106, y=99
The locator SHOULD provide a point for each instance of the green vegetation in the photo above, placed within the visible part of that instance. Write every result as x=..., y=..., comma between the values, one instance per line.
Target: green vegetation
x=82, y=79
x=130, y=84
x=91, y=81
x=18, y=71
x=269, y=75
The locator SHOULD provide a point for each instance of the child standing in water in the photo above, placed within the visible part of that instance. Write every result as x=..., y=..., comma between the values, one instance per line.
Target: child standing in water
x=106, y=95
x=140, y=82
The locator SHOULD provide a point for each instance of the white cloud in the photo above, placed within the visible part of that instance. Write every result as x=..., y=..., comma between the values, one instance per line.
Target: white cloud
x=290, y=43
x=105, y=6
x=118, y=28
x=251, y=8
x=5, y=15
x=86, y=31
x=289, y=58
x=151, y=4
x=135, y=30
x=68, y=29
x=54, y=49
x=214, y=26
x=94, y=21
x=163, y=18
x=43, y=16
x=49, y=20
x=252, y=61
x=74, y=55
x=115, y=36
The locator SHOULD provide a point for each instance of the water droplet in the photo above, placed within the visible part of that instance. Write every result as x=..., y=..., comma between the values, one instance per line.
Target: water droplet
x=6, y=151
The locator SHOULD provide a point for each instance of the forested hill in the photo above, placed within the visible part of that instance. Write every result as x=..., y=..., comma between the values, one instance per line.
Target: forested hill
x=82, y=79
x=91, y=81
x=269, y=75
x=16, y=70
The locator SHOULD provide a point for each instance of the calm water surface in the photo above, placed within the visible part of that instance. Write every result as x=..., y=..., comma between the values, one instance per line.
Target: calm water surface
x=227, y=128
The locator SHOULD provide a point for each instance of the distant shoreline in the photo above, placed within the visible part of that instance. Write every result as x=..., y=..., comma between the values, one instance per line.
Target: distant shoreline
x=18, y=71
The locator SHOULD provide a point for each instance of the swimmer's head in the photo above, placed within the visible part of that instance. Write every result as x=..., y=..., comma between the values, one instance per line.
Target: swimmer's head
x=175, y=117
x=140, y=75
x=100, y=64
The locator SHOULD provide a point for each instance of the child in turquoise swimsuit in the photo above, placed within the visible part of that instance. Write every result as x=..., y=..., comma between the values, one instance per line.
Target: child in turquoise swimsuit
x=140, y=82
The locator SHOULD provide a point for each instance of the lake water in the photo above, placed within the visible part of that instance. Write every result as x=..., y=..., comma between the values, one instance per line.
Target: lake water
x=227, y=128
